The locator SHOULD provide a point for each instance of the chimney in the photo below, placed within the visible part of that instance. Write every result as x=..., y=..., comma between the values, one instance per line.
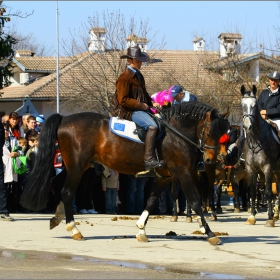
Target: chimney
x=132, y=40
x=198, y=44
x=97, y=40
x=230, y=44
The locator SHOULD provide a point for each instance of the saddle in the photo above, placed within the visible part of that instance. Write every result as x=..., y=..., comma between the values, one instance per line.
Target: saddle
x=130, y=130
x=142, y=132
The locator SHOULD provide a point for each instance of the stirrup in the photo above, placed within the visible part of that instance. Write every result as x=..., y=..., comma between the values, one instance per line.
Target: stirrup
x=152, y=163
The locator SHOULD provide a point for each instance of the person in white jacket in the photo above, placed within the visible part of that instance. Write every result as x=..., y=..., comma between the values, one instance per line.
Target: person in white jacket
x=10, y=177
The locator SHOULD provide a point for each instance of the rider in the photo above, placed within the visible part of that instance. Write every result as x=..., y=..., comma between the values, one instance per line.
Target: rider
x=269, y=99
x=268, y=104
x=132, y=101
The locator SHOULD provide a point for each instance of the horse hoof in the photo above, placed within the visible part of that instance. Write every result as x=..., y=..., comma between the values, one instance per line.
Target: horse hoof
x=275, y=218
x=78, y=236
x=236, y=210
x=188, y=219
x=269, y=223
x=142, y=238
x=213, y=217
x=219, y=211
x=54, y=222
x=214, y=240
x=251, y=221
x=174, y=219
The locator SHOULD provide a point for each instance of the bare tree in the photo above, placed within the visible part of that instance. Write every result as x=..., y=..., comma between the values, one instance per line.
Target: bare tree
x=93, y=74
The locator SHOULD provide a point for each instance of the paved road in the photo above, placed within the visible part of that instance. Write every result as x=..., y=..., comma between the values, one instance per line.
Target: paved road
x=30, y=250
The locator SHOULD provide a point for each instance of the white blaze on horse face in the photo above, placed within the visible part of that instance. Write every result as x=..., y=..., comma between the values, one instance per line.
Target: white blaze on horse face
x=248, y=105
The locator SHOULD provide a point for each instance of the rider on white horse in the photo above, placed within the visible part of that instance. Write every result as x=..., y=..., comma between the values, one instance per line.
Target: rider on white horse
x=269, y=100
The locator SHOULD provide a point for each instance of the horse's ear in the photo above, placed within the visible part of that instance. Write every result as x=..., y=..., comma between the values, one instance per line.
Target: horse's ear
x=254, y=90
x=242, y=90
x=225, y=113
x=213, y=114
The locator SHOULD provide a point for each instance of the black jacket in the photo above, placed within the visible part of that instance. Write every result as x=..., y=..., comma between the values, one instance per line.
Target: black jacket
x=270, y=103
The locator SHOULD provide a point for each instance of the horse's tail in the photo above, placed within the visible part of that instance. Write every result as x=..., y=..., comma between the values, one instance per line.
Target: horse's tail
x=38, y=183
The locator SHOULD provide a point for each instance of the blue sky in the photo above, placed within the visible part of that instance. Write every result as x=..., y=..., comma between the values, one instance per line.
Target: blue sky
x=178, y=21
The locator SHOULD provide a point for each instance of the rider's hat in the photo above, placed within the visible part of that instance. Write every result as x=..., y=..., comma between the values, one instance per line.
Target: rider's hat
x=136, y=53
x=274, y=75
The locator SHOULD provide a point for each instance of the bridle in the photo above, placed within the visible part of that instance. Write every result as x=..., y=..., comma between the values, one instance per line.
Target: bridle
x=201, y=146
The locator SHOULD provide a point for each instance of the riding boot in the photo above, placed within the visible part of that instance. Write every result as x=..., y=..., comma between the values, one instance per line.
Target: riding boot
x=149, y=156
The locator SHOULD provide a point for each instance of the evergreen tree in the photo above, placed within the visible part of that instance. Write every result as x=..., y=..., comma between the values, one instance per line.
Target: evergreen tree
x=6, y=50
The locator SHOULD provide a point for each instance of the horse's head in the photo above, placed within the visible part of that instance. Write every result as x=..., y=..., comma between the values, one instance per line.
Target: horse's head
x=210, y=129
x=249, y=107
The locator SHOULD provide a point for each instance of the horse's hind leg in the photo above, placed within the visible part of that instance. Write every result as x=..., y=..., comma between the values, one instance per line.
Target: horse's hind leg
x=59, y=215
x=68, y=191
x=56, y=184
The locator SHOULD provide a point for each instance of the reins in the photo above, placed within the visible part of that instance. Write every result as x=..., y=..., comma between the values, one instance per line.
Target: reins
x=200, y=146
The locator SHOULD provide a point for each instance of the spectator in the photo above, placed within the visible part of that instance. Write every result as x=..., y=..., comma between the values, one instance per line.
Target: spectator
x=31, y=123
x=84, y=192
x=22, y=175
x=4, y=213
x=39, y=122
x=179, y=95
x=5, y=119
x=135, y=194
x=110, y=186
x=30, y=134
x=10, y=177
x=32, y=152
x=14, y=128
x=24, y=126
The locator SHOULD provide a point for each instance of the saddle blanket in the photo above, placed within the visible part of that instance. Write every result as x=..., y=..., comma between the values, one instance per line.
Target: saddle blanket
x=124, y=128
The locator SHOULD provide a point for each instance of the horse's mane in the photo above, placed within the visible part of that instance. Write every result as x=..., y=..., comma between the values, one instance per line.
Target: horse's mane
x=193, y=110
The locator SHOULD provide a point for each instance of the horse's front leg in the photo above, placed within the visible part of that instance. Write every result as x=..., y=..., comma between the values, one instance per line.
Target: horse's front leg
x=151, y=203
x=174, y=192
x=67, y=194
x=236, y=191
x=268, y=194
x=252, y=186
x=189, y=213
x=219, y=209
x=188, y=188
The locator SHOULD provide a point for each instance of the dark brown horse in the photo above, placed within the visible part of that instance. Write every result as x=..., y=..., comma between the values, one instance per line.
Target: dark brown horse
x=231, y=168
x=85, y=138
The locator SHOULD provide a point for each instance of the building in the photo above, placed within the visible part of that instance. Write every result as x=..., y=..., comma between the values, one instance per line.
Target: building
x=87, y=81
